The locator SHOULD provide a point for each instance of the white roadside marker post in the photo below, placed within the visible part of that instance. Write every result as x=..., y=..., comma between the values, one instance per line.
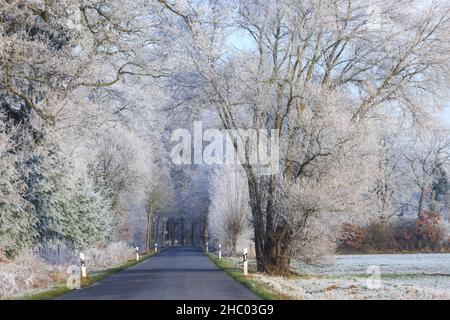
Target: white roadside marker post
x=137, y=253
x=244, y=256
x=83, y=265
x=207, y=247
x=220, y=251
x=156, y=247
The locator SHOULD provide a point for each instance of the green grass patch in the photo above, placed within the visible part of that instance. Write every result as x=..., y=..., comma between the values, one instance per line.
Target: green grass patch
x=48, y=294
x=92, y=278
x=252, y=284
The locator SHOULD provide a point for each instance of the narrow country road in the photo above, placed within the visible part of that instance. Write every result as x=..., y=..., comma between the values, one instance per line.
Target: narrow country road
x=179, y=273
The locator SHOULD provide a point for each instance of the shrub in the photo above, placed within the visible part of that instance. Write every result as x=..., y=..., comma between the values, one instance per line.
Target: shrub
x=380, y=237
x=430, y=231
x=109, y=256
x=352, y=238
x=3, y=258
x=28, y=273
x=57, y=253
x=405, y=235
x=44, y=268
x=8, y=286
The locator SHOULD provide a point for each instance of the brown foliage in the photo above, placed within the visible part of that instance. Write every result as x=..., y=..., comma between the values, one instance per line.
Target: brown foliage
x=424, y=234
x=430, y=234
x=3, y=258
x=352, y=237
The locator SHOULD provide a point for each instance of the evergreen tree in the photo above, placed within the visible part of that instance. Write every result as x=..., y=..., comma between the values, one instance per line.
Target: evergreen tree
x=16, y=224
x=440, y=185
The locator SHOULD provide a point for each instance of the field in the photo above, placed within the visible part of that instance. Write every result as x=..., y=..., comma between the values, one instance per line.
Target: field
x=413, y=264
x=401, y=276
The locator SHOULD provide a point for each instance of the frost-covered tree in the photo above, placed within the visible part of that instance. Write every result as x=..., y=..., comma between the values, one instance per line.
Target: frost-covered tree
x=229, y=212
x=157, y=195
x=67, y=206
x=124, y=169
x=17, y=225
x=48, y=201
x=331, y=175
x=86, y=89
x=391, y=58
x=63, y=66
x=391, y=192
x=52, y=49
x=429, y=155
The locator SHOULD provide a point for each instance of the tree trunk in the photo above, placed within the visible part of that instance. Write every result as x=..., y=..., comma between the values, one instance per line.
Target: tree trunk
x=192, y=234
x=164, y=239
x=233, y=245
x=183, y=243
x=419, y=216
x=148, y=239
x=273, y=247
x=157, y=229
x=278, y=251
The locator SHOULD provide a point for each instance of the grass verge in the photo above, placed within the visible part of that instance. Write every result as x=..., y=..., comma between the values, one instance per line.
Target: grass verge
x=92, y=278
x=252, y=284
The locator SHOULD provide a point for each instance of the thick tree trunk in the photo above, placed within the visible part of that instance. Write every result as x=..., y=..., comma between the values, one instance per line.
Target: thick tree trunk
x=273, y=255
x=259, y=230
x=278, y=251
x=273, y=248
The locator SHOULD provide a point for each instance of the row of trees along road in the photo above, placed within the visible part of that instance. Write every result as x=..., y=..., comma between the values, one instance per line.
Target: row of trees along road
x=319, y=72
x=106, y=79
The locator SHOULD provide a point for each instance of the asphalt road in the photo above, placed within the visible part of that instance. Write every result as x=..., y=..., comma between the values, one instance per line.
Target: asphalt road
x=179, y=273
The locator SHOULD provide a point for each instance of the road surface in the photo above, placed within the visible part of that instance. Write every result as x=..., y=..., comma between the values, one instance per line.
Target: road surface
x=179, y=273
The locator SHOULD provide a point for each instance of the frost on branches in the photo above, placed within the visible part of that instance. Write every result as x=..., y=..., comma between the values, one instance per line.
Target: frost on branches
x=229, y=212
x=75, y=168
